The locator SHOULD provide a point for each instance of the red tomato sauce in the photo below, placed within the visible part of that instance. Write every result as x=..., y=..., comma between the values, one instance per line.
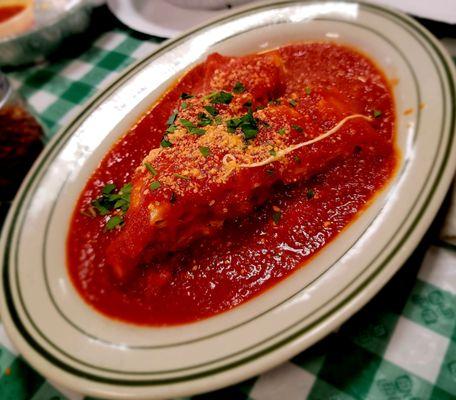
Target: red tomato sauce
x=252, y=254
x=8, y=12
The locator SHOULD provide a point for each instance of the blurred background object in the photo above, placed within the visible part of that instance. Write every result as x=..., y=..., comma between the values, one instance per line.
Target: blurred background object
x=20, y=143
x=208, y=4
x=32, y=29
x=168, y=18
x=16, y=16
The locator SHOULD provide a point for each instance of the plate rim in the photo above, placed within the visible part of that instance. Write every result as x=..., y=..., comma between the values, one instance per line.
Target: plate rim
x=354, y=301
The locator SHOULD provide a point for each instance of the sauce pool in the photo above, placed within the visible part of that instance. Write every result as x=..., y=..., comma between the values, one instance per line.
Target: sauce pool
x=252, y=254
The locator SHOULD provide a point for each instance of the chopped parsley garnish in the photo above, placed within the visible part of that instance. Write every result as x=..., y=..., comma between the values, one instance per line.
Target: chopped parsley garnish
x=154, y=185
x=281, y=131
x=310, y=194
x=272, y=152
x=185, y=96
x=293, y=102
x=172, y=118
x=171, y=128
x=308, y=90
x=205, y=151
x=100, y=207
x=238, y=88
x=109, y=188
x=218, y=120
x=204, y=119
x=276, y=216
x=114, y=221
x=275, y=102
x=191, y=128
x=297, y=128
x=220, y=97
x=246, y=123
x=211, y=110
x=151, y=169
x=377, y=113
x=247, y=104
x=184, y=105
x=166, y=143
x=110, y=201
x=270, y=171
x=297, y=159
x=180, y=176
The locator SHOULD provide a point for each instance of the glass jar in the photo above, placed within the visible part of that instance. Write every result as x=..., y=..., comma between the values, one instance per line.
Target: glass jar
x=21, y=141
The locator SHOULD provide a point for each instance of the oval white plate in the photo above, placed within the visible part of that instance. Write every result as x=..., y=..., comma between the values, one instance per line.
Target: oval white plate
x=68, y=342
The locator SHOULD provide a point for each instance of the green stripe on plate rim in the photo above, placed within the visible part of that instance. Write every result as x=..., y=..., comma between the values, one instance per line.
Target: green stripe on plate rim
x=53, y=147
x=81, y=330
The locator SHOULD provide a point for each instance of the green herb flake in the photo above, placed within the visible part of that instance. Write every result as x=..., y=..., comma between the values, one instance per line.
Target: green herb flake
x=297, y=159
x=150, y=168
x=297, y=128
x=171, y=128
x=166, y=143
x=281, y=131
x=273, y=152
x=211, y=110
x=377, y=113
x=182, y=177
x=310, y=194
x=184, y=105
x=109, y=200
x=275, y=102
x=276, y=217
x=247, y=104
x=205, y=151
x=126, y=189
x=249, y=132
x=246, y=123
x=108, y=188
x=293, y=103
x=113, y=222
x=218, y=120
x=100, y=207
x=185, y=96
x=204, y=119
x=220, y=97
x=192, y=128
x=172, y=118
x=270, y=171
x=308, y=90
x=233, y=124
x=154, y=185
x=238, y=88
x=122, y=204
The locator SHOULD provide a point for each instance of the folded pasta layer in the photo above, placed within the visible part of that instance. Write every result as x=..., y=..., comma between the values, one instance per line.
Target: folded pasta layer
x=224, y=150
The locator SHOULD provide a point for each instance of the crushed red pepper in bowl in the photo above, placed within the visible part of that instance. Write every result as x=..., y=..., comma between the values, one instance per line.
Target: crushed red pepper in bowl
x=20, y=143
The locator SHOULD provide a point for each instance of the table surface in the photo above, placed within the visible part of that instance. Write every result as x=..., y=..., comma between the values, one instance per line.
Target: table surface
x=402, y=345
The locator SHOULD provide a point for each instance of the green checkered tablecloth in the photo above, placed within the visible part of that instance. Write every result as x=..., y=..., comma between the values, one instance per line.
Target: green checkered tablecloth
x=402, y=345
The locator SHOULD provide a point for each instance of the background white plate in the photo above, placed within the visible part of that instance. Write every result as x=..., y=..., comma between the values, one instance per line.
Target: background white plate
x=161, y=18
x=71, y=344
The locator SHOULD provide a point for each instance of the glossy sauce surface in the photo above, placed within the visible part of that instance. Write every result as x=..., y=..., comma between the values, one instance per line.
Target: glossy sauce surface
x=252, y=254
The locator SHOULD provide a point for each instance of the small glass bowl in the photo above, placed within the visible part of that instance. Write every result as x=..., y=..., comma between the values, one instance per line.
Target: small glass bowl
x=50, y=22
